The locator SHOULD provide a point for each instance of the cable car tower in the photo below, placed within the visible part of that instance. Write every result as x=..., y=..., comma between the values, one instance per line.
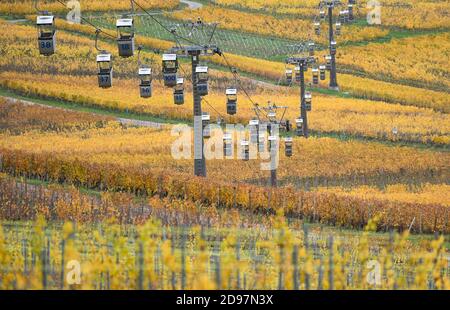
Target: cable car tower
x=268, y=119
x=194, y=51
x=326, y=8
x=301, y=66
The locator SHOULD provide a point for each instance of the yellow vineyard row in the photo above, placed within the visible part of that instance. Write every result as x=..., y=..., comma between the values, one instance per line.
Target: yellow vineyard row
x=420, y=59
x=154, y=256
x=22, y=7
x=409, y=14
x=428, y=193
x=329, y=115
x=324, y=158
x=288, y=28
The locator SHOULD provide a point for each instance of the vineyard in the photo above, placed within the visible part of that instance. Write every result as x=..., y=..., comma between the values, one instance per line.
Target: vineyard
x=95, y=175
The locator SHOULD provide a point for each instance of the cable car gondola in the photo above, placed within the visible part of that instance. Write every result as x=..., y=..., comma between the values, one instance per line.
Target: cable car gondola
x=333, y=48
x=317, y=28
x=227, y=145
x=206, y=119
x=322, y=72
x=311, y=47
x=342, y=16
x=338, y=28
x=350, y=12
x=298, y=77
x=231, y=94
x=145, y=75
x=272, y=143
x=322, y=14
x=328, y=62
x=125, y=40
x=288, y=74
x=47, y=34
x=299, y=127
x=178, y=92
x=308, y=101
x=254, y=130
x=170, y=68
x=202, y=80
x=315, y=75
x=105, y=69
x=261, y=142
x=288, y=146
x=245, y=150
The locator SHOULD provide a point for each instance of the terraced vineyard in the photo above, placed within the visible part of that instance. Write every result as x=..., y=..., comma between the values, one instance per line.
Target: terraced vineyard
x=100, y=177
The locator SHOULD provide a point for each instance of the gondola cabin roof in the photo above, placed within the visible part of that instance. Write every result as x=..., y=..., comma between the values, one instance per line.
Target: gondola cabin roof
x=206, y=117
x=253, y=122
x=271, y=114
x=45, y=20
x=201, y=69
x=227, y=136
x=180, y=81
x=272, y=138
x=124, y=22
x=104, y=58
x=145, y=71
x=231, y=91
x=299, y=120
x=169, y=57
x=288, y=139
x=244, y=143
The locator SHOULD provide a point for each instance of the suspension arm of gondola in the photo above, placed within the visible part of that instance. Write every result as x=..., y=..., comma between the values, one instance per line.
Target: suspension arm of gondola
x=132, y=7
x=240, y=83
x=212, y=107
x=89, y=23
x=212, y=34
x=139, y=55
x=97, y=33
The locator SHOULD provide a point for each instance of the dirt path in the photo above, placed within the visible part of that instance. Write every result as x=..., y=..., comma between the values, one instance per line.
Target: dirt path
x=192, y=4
x=17, y=21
